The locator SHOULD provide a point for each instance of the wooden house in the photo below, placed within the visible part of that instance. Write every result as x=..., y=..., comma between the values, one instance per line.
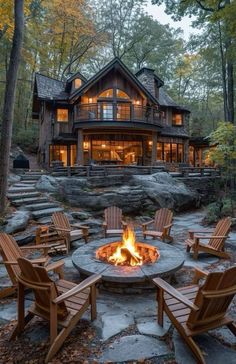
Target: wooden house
x=115, y=117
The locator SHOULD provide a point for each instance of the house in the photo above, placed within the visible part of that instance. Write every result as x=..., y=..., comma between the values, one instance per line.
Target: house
x=115, y=117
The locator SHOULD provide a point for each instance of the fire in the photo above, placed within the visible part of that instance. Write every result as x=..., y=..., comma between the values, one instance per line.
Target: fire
x=126, y=252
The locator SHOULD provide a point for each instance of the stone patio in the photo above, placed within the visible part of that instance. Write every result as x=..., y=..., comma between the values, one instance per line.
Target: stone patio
x=126, y=329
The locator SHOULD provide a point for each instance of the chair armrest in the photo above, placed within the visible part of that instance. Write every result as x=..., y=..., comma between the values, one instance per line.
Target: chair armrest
x=210, y=237
x=147, y=223
x=90, y=281
x=79, y=226
x=39, y=246
x=55, y=265
x=198, y=274
x=200, y=231
x=168, y=226
x=62, y=229
x=160, y=283
x=40, y=260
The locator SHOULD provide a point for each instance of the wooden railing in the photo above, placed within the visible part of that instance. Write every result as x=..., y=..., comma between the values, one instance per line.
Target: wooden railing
x=111, y=170
x=117, y=111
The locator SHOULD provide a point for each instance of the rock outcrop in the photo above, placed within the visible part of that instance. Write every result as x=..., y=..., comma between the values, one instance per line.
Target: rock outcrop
x=135, y=194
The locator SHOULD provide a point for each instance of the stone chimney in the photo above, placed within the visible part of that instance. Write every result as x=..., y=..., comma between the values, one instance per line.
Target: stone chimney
x=146, y=77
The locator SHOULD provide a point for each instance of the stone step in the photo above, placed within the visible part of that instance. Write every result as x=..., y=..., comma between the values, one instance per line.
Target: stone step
x=29, y=183
x=29, y=201
x=30, y=177
x=41, y=206
x=45, y=220
x=46, y=212
x=17, y=196
x=21, y=189
x=22, y=184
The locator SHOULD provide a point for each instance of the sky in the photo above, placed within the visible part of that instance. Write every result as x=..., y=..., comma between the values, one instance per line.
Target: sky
x=158, y=13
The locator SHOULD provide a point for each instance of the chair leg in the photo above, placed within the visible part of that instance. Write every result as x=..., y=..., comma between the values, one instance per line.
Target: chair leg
x=16, y=332
x=195, y=254
x=232, y=327
x=59, y=340
x=195, y=349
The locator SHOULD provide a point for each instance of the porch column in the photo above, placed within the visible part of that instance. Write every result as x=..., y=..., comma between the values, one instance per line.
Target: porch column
x=154, y=149
x=80, y=149
x=186, y=151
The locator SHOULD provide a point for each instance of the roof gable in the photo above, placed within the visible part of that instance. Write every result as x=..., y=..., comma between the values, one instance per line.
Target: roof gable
x=49, y=88
x=116, y=63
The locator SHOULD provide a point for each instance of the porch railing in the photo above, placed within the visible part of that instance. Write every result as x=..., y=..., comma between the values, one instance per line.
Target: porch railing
x=119, y=112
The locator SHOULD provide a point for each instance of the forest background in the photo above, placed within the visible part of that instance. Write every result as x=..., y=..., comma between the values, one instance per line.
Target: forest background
x=64, y=36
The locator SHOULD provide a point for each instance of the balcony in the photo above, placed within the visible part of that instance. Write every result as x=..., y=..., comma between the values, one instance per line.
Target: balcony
x=124, y=112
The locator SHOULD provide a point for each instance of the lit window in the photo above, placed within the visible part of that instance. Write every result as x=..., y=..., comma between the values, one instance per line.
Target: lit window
x=78, y=82
x=62, y=115
x=177, y=119
x=121, y=94
x=107, y=93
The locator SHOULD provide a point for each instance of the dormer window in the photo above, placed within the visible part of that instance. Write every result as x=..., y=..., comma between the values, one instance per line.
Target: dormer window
x=62, y=115
x=77, y=83
x=177, y=119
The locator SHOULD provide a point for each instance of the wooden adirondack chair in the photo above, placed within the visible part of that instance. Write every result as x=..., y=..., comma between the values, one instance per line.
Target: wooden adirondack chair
x=215, y=244
x=61, y=303
x=159, y=227
x=113, y=224
x=10, y=252
x=197, y=309
x=60, y=235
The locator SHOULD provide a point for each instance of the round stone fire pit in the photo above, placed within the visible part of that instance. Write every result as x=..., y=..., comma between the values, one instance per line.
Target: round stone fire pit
x=126, y=278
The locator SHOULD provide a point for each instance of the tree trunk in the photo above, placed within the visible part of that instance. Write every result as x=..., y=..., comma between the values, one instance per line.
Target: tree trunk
x=223, y=70
x=9, y=100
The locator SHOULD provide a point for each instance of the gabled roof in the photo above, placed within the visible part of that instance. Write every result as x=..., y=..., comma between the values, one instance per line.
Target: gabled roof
x=76, y=75
x=166, y=100
x=116, y=62
x=50, y=88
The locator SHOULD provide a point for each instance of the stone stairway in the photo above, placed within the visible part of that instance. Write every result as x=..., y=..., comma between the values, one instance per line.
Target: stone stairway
x=25, y=196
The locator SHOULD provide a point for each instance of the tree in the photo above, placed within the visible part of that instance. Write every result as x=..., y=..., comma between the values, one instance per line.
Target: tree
x=220, y=13
x=9, y=99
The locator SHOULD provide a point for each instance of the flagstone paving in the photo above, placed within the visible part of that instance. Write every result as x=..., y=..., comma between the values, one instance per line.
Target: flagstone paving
x=126, y=328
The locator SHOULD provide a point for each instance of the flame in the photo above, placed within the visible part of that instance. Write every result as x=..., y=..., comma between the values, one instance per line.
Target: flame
x=126, y=252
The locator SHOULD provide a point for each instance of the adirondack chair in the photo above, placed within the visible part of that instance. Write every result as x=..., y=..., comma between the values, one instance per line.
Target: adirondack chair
x=113, y=224
x=216, y=240
x=60, y=234
x=10, y=252
x=196, y=309
x=159, y=227
x=61, y=303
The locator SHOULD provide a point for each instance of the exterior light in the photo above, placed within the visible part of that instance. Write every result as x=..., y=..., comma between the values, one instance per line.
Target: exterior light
x=103, y=145
x=90, y=100
x=150, y=142
x=137, y=102
x=86, y=145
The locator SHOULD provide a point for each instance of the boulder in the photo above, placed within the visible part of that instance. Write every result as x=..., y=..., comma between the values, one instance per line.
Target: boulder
x=17, y=222
x=47, y=183
x=13, y=178
x=135, y=195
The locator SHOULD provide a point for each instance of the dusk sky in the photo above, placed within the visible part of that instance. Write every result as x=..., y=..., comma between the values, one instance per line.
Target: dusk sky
x=158, y=13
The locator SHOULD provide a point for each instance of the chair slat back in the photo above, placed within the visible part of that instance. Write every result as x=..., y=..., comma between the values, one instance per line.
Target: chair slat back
x=163, y=217
x=223, y=286
x=61, y=221
x=10, y=252
x=113, y=217
x=36, y=277
x=222, y=229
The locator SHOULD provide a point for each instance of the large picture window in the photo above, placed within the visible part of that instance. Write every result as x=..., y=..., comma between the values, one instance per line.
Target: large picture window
x=170, y=152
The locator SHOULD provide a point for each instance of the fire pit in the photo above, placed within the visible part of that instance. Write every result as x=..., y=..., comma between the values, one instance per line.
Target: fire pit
x=128, y=252
x=125, y=278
